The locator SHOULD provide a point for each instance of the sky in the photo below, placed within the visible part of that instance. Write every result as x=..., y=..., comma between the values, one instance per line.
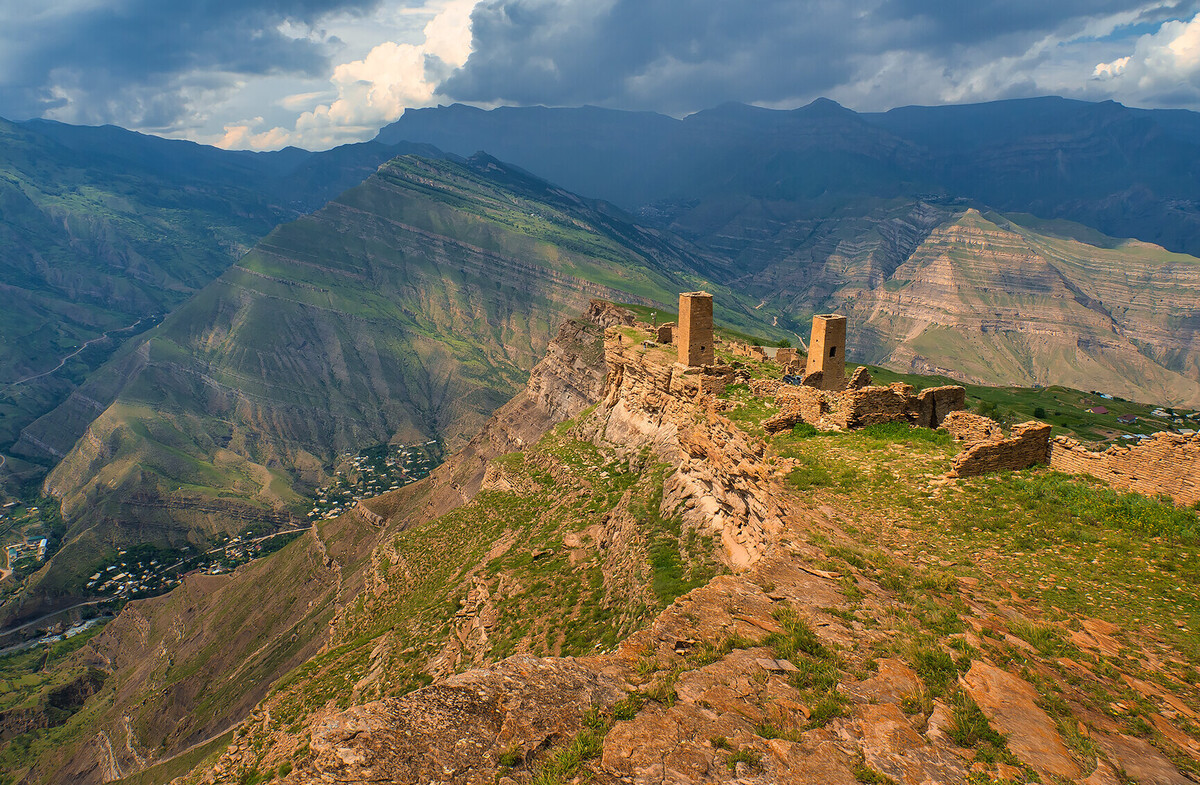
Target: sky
x=263, y=74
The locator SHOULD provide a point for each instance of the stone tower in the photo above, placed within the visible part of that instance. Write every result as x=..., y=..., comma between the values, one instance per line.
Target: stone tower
x=827, y=350
x=694, y=335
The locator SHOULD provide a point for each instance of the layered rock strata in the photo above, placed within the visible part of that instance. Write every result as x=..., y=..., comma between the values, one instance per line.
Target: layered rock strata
x=721, y=481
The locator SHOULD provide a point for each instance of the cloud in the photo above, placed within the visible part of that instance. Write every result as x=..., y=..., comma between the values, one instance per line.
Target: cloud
x=683, y=55
x=315, y=73
x=87, y=61
x=375, y=90
x=1165, y=63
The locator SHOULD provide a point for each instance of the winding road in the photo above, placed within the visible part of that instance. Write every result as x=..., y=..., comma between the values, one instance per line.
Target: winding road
x=75, y=353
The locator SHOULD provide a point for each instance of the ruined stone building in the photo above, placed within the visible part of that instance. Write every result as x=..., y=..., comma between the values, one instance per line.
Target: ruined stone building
x=694, y=335
x=827, y=351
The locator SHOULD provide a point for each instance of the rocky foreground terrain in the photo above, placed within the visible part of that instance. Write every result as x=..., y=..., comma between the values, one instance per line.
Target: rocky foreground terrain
x=623, y=579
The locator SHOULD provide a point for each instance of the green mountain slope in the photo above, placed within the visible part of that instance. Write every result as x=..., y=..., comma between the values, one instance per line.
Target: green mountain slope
x=90, y=250
x=407, y=310
x=103, y=231
x=808, y=607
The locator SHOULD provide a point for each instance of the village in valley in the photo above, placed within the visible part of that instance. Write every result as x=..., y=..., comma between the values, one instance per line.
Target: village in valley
x=30, y=531
x=373, y=472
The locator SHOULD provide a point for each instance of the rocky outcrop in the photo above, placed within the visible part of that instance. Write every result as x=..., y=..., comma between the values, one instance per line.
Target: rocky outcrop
x=1011, y=704
x=1166, y=463
x=606, y=314
x=466, y=728
x=720, y=484
x=55, y=708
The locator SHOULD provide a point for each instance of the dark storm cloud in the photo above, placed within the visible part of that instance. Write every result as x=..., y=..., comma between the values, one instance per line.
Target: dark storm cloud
x=129, y=50
x=679, y=55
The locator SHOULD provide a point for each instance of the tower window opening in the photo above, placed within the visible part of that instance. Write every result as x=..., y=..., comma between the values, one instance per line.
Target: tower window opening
x=833, y=351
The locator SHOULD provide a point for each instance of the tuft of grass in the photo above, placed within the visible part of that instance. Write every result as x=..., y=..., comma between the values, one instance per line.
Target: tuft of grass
x=936, y=668
x=709, y=652
x=797, y=637
x=869, y=776
x=969, y=726
x=751, y=758
x=1046, y=640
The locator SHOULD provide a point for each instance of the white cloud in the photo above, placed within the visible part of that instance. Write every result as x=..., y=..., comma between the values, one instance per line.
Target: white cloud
x=373, y=91
x=1108, y=70
x=1167, y=61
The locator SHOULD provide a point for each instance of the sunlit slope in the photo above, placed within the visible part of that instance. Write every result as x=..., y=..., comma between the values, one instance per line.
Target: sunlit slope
x=407, y=310
x=988, y=300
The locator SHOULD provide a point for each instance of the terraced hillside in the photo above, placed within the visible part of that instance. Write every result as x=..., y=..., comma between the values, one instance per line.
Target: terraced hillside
x=408, y=309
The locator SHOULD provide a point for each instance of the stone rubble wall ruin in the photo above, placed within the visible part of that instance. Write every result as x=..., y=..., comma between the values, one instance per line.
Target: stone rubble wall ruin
x=1028, y=446
x=1166, y=463
x=969, y=427
x=859, y=379
x=858, y=408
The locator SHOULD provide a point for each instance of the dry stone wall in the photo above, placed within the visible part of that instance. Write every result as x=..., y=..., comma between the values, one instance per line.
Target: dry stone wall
x=1028, y=446
x=1166, y=463
x=937, y=402
x=968, y=427
x=860, y=407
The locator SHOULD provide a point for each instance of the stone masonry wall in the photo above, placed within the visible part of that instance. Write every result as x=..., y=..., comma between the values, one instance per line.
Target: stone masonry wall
x=968, y=427
x=937, y=402
x=858, y=408
x=1166, y=463
x=1028, y=446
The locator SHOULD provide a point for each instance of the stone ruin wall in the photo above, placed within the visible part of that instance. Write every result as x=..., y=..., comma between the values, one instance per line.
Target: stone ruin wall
x=1028, y=446
x=858, y=408
x=1166, y=463
x=968, y=427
